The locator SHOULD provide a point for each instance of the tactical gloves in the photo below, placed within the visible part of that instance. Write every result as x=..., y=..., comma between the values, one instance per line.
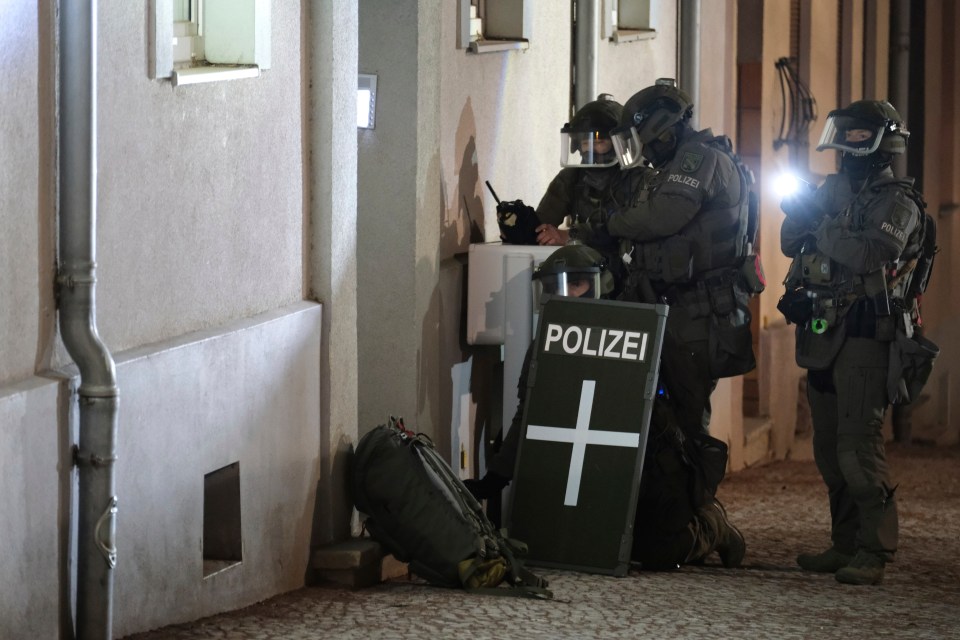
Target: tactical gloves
x=802, y=207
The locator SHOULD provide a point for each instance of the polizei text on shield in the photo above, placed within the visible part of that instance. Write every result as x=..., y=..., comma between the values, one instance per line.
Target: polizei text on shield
x=596, y=342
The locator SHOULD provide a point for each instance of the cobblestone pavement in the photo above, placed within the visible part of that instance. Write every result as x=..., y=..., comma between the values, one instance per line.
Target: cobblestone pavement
x=781, y=509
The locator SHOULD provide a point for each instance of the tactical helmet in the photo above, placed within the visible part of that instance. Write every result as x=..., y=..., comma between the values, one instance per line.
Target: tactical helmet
x=649, y=116
x=864, y=127
x=585, y=140
x=574, y=270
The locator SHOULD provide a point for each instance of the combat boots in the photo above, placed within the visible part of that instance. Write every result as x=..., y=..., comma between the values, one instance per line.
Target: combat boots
x=829, y=561
x=865, y=568
x=728, y=541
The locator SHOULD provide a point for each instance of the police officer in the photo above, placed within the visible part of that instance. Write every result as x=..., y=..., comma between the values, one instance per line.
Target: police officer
x=687, y=231
x=674, y=525
x=585, y=188
x=849, y=240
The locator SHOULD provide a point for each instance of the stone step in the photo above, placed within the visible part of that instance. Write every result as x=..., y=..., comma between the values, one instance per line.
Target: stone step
x=355, y=563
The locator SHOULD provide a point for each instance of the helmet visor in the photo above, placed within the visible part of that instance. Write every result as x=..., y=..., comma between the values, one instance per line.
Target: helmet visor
x=574, y=284
x=851, y=135
x=586, y=149
x=626, y=142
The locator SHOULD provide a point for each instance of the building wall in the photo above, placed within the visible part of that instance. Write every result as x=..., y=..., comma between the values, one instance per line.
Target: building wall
x=935, y=417
x=199, y=223
x=30, y=498
x=243, y=393
x=24, y=137
x=201, y=249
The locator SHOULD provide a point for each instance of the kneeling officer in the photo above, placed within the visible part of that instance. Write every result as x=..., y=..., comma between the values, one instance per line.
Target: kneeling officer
x=678, y=519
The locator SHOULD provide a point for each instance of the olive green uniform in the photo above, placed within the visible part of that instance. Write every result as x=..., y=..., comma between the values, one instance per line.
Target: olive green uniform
x=688, y=229
x=588, y=196
x=852, y=240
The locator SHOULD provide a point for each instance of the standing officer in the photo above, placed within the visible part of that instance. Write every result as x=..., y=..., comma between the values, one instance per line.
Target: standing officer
x=851, y=241
x=687, y=232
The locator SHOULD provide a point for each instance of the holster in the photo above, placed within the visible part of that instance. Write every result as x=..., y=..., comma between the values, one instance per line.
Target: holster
x=911, y=362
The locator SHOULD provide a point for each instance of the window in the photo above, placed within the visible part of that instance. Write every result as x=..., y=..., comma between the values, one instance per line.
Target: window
x=628, y=20
x=494, y=25
x=206, y=40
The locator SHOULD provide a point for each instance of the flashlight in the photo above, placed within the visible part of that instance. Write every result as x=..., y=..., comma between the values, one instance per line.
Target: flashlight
x=788, y=184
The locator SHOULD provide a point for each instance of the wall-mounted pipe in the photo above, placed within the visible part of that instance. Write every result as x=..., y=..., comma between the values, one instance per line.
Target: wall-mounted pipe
x=586, y=51
x=689, y=54
x=98, y=395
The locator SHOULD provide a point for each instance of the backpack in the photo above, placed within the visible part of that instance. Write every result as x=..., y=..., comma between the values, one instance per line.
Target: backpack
x=928, y=250
x=420, y=511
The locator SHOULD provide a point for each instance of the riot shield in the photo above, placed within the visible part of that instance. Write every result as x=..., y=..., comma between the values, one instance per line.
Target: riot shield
x=590, y=390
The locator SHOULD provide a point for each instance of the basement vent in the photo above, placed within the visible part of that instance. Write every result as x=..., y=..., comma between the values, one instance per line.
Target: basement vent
x=222, y=543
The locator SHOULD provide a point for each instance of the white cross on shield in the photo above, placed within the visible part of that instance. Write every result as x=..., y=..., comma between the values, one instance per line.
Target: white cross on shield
x=580, y=437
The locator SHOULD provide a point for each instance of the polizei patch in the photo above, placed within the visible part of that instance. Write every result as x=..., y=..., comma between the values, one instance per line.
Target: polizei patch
x=596, y=342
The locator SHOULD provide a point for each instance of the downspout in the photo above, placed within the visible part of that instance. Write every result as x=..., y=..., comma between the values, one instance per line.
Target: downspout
x=900, y=71
x=689, y=54
x=76, y=284
x=587, y=49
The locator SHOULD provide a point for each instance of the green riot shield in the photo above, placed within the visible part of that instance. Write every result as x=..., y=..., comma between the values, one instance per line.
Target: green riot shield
x=590, y=391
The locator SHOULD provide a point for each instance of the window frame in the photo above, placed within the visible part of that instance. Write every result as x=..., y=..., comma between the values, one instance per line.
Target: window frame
x=504, y=25
x=215, y=31
x=638, y=11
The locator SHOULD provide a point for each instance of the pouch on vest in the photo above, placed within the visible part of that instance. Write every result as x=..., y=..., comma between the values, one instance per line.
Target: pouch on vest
x=751, y=274
x=730, y=342
x=670, y=260
x=911, y=362
x=817, y=351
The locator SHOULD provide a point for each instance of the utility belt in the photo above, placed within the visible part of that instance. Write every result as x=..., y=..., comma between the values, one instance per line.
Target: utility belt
x=823, y=309
x=714, y=293
x=822, y=293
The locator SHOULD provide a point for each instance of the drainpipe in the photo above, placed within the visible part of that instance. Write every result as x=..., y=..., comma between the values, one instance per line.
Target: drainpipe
x=689, y=53
x=900, y=71
x=76, y=280
x=587, y=50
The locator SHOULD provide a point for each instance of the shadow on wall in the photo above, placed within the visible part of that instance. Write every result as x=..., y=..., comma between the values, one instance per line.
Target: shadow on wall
x=461, y=225
x=463, y=222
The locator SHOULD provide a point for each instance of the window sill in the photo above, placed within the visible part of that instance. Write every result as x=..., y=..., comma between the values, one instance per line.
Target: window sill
x=491, y=46
x=633, y=35
x=213, y=73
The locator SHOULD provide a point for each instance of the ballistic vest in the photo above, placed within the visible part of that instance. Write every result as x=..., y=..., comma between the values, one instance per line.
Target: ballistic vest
x=716, y=238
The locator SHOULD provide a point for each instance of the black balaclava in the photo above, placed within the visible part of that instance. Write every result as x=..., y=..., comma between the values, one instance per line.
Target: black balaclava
x=859, y=168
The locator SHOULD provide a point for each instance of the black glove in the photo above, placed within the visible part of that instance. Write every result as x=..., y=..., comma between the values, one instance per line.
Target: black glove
x=488, y=486
x=796, y=306
x=518, y=222
x=801, y=206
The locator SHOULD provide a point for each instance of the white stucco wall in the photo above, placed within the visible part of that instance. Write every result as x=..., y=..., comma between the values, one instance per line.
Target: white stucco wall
x=201, y=273
x=30, y=500
x=200, y=187
x=20, y=213
x=196, y=404
x=626, y=68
